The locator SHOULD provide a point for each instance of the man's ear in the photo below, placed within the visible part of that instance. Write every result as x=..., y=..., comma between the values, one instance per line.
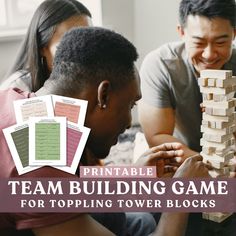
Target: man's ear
x=180, y=30
x=103, y=93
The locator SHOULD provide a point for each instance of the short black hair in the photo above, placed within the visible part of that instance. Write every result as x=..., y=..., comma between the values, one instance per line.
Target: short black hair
x=89, y=55
x=209, y=8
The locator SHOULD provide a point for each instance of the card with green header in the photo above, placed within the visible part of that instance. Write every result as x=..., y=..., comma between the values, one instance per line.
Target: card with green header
x=47, y=140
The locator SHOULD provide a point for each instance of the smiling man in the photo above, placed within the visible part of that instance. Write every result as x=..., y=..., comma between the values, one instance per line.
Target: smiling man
x=170, y=108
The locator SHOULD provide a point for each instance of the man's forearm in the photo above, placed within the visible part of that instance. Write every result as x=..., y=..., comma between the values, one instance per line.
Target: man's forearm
x=172, y=224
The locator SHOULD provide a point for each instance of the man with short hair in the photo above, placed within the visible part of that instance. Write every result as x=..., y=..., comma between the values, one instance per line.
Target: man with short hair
x=170, y=108
x=96, y=65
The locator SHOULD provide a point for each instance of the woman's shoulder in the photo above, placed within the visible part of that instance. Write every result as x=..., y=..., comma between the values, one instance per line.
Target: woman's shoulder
x=20, y=79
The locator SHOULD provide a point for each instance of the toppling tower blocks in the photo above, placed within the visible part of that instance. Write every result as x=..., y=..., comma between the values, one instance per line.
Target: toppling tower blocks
x=218, y=125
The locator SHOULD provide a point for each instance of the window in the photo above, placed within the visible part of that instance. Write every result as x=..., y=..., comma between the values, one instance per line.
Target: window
x=15, y=15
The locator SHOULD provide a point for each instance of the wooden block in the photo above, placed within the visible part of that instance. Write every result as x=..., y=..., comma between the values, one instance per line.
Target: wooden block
x=219, y=173
x=216, y=216
x=224, y=151
x=215, y=164
x=225, y=97
x=232, y=128
x=232, y=165
x=219, y=217
x=219, y=74
x=234, y=88
x=208, y=150
x=210, y=124
x=228, y=156
x=220, y=125
x=202, y=82
x=224, y=145
x=206, y=123
x=209, y=110
x=218, y=118
x=220, y=91
x=205, y=215
x=211, y=82
x=215, y=124
x=225, y=83
x=207, y=96
x=227, y=130
x=223, y=111
x=232, y=141
x=219, y=111
x=222, y=104
x=218, y=138
x=215, y=158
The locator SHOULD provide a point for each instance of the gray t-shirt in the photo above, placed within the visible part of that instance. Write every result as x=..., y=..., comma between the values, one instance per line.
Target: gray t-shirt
x=169, y=80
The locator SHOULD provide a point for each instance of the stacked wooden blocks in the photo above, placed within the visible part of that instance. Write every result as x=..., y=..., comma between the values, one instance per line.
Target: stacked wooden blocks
x=218, y=125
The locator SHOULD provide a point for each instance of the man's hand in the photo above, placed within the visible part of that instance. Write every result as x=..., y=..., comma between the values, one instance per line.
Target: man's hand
x=165, y=157
x=202, y=107
x=232, y=166
x=192, y=167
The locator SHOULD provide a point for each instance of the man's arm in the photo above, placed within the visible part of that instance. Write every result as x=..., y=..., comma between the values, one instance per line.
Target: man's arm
x=158, y=126
x=172, y=224
x=85, y=225
x=175, y=223
x=80, y=226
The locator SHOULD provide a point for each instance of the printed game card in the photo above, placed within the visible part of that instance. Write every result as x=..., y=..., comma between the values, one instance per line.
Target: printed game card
x=76, y=139
x=47, y=141
x=33, y=107
x=17, y=137
x=73, y=109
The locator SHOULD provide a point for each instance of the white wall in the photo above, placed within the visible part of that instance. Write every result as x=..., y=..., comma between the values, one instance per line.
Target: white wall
x=8, y=50
x=118, y=15
x=146, y=23
x=155, y=23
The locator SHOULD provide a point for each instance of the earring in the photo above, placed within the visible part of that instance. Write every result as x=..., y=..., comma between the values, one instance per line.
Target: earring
x=43, y=62
x=102, y=106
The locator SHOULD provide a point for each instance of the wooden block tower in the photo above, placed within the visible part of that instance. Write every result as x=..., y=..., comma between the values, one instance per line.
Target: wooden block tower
x=218, y=125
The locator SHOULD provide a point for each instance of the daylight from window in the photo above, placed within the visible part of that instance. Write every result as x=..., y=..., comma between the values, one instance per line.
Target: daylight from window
x=16, y=14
